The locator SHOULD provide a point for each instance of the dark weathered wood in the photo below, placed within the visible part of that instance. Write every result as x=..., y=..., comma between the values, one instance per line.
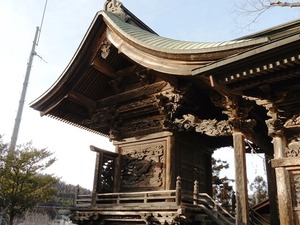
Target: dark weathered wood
x=196, y=192
x=283, y=184
x=96, y=179
x=170, y=167
x=284, y=199
x=272, y=191
x=104, y=68
x=82, y=100
x=178, y=191
x=242, y=211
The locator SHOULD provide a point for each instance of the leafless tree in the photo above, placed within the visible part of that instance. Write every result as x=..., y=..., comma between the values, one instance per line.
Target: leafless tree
x=36, y=218
x=255, y=8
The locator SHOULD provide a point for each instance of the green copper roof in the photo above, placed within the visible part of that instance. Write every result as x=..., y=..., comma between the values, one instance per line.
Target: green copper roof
x=152, y=41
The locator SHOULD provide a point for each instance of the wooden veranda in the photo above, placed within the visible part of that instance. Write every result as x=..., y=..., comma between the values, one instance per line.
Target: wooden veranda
x=151, y=207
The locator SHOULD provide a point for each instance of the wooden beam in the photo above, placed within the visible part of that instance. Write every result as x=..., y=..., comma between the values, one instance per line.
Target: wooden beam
x=82, y=100
x=100, y=150
x=128, y=70
x=262, y=69
x=104, y=68
x=285, y=162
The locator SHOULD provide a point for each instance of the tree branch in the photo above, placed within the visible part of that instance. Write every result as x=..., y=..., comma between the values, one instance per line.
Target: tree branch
x=285, y=4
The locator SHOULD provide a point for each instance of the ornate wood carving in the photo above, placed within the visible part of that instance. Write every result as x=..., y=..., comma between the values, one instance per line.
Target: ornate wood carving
x=139, y=127
x=208, y=127
x=142, y=166
x=137, y=104
x=297, y=189
x=218, y=100
x=105, y=48
x=274, y=126
x=129, y=113
x=132, y=94
x=169, y=104
x=115, y=7
x=237, y=110
x=293, y=123
x=293, y=148
x=145, y=77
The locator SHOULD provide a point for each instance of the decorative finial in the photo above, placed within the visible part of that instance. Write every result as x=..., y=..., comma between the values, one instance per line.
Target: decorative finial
x=115, y=7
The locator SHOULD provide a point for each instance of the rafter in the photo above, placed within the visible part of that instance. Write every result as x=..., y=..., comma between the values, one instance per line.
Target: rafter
x=82, y=100
x=104, y=68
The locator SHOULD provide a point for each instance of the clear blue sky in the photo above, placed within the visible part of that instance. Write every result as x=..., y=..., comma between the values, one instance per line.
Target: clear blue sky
x=64, y=27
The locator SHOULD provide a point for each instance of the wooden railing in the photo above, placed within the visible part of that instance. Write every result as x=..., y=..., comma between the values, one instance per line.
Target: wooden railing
x=140, y=199
x=157, y=199
x=146, y=198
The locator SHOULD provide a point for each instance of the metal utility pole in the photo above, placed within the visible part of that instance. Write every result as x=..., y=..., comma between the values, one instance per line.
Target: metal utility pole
x=14, y=136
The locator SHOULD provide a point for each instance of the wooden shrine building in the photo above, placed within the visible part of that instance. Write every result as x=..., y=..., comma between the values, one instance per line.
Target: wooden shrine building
x=167, y=105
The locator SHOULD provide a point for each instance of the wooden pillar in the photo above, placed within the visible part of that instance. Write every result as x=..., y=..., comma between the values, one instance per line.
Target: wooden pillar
x=272, y=191
x=170, y=165
x=178, y=191
x=96, y=179
x=196, y=192
x=242, y=212
x=283, y=185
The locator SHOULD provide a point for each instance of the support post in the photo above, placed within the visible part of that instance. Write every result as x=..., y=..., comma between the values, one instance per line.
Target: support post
x=242, y=211
x=196, y=192
x=272, y=191
x=96, y=179
x=75, y=196
x=283, y=185
x=178, y=191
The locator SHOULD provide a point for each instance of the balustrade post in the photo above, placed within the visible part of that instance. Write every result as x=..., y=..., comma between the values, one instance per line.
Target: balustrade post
x=146, y=198
x=75, y=196
x=178, y=191
x=94, y=199
x=196, y=192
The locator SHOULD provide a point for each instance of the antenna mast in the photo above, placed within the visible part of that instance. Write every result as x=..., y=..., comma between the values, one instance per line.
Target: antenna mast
x=14, y=136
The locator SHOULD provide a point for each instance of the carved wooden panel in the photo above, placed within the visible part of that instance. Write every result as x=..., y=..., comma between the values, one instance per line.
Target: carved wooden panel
x=297, y=190
x=294, y=175
x=293, y=148
x=142, y=166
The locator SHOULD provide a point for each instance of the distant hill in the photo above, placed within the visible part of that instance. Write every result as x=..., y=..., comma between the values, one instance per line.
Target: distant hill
x=65, y=195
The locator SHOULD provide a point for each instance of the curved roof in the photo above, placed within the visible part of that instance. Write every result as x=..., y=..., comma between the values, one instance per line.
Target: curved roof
x=86, y=79
x=157, y=43
x=145, y=47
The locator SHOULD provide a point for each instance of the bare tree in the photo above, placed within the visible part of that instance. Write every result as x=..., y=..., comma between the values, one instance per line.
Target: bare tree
x=36, y=218
x=254, y=8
